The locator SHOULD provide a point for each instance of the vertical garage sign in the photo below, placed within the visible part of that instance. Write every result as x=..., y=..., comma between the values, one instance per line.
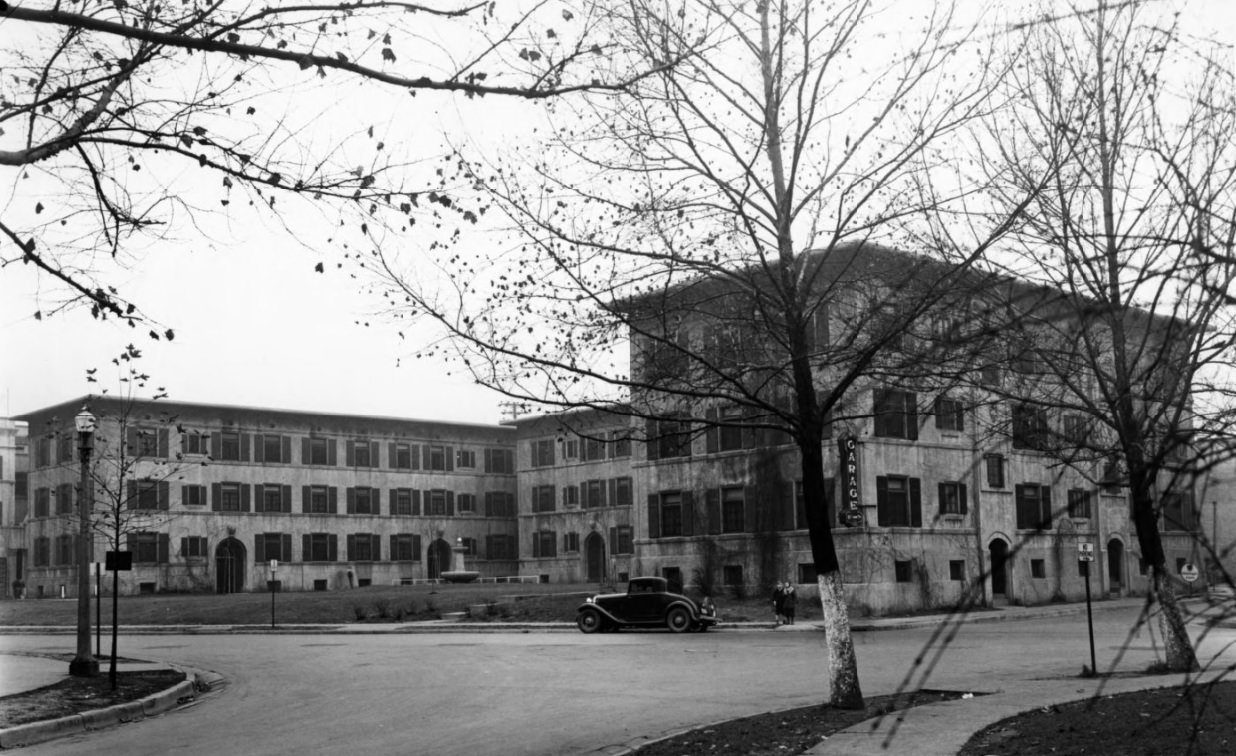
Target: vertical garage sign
x=851, y=512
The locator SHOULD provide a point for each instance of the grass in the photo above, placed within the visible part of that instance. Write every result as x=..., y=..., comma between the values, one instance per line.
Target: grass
x=550, y=602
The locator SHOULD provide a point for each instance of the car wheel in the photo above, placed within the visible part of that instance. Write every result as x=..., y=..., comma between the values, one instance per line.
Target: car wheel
x=678, y=620
x=588, y=621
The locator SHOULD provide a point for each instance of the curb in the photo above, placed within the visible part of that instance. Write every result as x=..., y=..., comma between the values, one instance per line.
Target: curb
x=31, y=733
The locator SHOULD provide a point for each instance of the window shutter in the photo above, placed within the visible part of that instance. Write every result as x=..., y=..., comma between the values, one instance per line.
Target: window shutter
x=332, y=546
x=285, y=446
x=244, y=497
x=163, y=443
x=654, y=516
x=164, y=495
x=306, y=499
x=259, y=548
x=426, y=462
x=536, y=545
x=759, y=516
x=1045, y=513
x=450, y=458
x=711, y=444
x=332, y=452
x=184, y=547
x=244, y=447
x=350, y=454
x=916, y=503
x=613, y=541
x=414, y=456
x=394, y=546
x=285, y=499
x=306, y=547
x=712, y=510
x=332, y=500
x=259, y=449
x=184, y=495
x=489, y=460
x=392, y=455
x=376, y=495
x=285, y=546
x=940, y=492
x=216, y=497
x=130, y=541
x=450, y=503
x=688, y=513
x=882, y=514
x=416, y=502
x=351, y=547
x=416, y=548
x=651, y=442
x=394, y=497
x=305, y=453
x=877, y=413
x=351, y=496
x=130, y=441
x=911, y=416
x=259, y=499
x=965, y=502
x=164, y=548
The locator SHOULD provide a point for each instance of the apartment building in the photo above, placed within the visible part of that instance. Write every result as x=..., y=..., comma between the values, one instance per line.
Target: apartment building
x=12, y=507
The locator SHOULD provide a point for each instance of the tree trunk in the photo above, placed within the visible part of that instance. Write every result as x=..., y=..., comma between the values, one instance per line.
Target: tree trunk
x=844, y=689
x=1177, y=647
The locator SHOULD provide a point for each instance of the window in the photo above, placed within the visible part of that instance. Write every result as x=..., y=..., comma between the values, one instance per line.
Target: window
x=807, y=574
x=194, y=442
x=622, y=540
x=401, y=502
x=570, y=496
x=1023, y=358
x=42, y=502
x=439, y=502
x=64, y=448
x=989, y=375
x=230, y=446
x=570, y=542
x=994, y=466
x=544, y=544
x=953, y=498
x=363, y=500
x=42, y=551
x=64, y=498
x=438, y=457
x=730, y=433
x=499, y=461
x=145, y=442
x=1030, y=429
x=543, y=498
x=542, y=452
x=319, y=451
x=594, y=449
x=465, y=458
x=1177, y=511
x=148, y=548
x=733, y=504
x=903, y=571
x=364, y=547
x=1038, y=568
x=1076, y=430
x=402, y=456
x=896, y=414
x=147, y=495
x=731, y=575
x=594, y=493
x=193, y=547
x=620, y=444
x=956, y=569
x=64, y=549
x=620, y=492
x=320, y=547
x=465, y=502
x=268, y=546
x=898, y=501
x=500, y=546
x=1113, y=478
x=405, y=547
x=671, y=515
x=362, y=454
x=570, y=448
x=499, y=504
x=318, y=500
x=42, y=453
x=950, y=414
x=1079, y=504
x=669, y=438
x=274, y=448
x=193, y=496
x=274, y=498
x=229, y=497
x=830, y=505
x=1033, y=507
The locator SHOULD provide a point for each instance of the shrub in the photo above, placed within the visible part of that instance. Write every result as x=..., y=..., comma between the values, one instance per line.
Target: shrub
x=361, y=613
x=383, y=608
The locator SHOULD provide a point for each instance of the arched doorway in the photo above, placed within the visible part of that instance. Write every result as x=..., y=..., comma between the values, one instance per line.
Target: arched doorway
x=229, y=566
x=1115, y=566
x=594, y=557
x=438, y=558
x=999, y=552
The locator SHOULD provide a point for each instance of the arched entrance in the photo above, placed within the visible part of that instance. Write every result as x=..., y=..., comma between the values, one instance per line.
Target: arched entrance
x=438, y=558
x=1115, y=566
x=999, y=552
x=594, y=557
x=229, y=566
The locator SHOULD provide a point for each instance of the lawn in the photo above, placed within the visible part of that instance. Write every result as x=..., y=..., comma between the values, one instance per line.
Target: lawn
x=550, y=602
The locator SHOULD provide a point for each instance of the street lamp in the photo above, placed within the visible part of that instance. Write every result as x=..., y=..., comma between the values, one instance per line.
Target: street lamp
x=84, y=664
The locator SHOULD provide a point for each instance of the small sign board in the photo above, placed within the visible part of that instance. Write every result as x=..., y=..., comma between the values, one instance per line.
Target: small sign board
x=119, y=561
x=1085, y=552
x=274, y=565
x=1188, y=572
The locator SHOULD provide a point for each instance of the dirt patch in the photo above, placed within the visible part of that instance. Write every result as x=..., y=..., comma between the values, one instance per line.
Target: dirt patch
x=786, y=733
x=74, y=695
x=1197, y=720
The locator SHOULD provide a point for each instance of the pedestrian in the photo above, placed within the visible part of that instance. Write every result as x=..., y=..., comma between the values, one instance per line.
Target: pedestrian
x=789, y=601
x=778, y=601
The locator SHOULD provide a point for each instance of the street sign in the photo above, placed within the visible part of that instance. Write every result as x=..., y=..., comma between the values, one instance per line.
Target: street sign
x=1188, y=572
x=1085, y=552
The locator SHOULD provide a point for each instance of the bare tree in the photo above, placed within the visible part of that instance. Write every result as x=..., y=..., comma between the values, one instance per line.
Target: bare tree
x=700, y=251
x=125, y=124
x=1127, y=341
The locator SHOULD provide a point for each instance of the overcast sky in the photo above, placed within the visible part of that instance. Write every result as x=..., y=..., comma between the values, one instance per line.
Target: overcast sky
x=256, y=326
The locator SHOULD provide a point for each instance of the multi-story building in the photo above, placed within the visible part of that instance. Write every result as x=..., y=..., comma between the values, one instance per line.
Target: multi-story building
x=12, y=507
x=204, y=497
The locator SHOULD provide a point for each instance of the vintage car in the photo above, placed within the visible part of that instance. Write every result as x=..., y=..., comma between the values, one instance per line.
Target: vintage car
x=647, y=603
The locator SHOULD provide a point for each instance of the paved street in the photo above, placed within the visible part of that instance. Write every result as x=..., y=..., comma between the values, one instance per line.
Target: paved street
x=553, y=693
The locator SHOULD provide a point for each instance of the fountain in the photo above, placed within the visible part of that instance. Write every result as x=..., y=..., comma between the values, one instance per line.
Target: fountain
x=459, y=572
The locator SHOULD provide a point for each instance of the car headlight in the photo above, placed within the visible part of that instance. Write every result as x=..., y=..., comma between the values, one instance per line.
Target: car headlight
x=588, y=600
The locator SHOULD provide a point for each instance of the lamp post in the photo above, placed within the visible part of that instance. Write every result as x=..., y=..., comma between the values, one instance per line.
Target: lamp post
x=84, y=664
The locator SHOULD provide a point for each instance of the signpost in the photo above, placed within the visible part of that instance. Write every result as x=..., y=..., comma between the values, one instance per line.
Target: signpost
x=1189, y=574
x=272, y=583
x=1085, y=555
